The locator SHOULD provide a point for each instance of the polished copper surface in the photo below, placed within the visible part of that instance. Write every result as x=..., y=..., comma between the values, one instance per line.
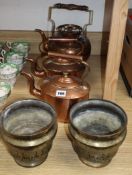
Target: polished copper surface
x=56, y=63
x=61, y=91
x=67, y=38
x=75, y=68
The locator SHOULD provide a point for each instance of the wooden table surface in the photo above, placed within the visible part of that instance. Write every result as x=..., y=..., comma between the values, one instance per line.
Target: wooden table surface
x=62, y=159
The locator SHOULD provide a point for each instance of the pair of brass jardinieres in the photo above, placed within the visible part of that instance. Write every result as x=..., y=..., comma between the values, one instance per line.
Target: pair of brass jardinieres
x=96, y=128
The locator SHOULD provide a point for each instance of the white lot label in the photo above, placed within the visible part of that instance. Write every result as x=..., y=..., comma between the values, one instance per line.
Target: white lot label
x=60, y=93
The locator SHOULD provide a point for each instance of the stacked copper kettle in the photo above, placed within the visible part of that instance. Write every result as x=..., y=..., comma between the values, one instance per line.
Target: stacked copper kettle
x=67, y=51
x=67, y=38
x=61, y=91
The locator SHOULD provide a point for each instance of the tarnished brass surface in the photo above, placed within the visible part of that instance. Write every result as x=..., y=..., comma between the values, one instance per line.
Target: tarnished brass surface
x=97, y=128
x=28, y=128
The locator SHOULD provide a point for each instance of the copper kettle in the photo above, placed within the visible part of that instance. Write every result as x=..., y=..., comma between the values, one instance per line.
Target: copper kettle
x=68, y=38
x=61, y=91
x=56, y=64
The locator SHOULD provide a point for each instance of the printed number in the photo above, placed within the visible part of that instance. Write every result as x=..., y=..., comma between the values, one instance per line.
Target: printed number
x=60, y=93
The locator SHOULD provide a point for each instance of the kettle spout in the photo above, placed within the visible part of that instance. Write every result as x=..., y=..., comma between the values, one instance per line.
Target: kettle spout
x=43, y=46
x=33, y=90
x=34, y=68
x=44, y=38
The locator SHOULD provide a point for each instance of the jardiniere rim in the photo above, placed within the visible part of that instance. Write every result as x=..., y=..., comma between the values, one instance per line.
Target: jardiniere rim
x=38, y=133
x=108, y=104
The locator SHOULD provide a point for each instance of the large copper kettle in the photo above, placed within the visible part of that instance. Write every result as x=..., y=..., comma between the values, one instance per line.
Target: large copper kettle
x=61, y=91
x=68, y=38
x=56, y=64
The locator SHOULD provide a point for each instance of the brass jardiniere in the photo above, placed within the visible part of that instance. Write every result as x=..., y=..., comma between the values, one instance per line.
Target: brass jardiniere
x=97, y=128
x=28, y=128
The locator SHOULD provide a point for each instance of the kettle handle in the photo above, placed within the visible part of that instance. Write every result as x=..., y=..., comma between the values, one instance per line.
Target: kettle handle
x=43, y=46
x=70, y=7
x=54, y=55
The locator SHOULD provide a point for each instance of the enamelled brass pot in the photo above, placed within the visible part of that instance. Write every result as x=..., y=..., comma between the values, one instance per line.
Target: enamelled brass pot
x=61, y=91
x=28, y=128
x=67, y=38
x=97, y=128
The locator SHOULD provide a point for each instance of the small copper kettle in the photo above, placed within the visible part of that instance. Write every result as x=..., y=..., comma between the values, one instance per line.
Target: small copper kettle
x=56, y=64
x=61, y=91
x=67, y=38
